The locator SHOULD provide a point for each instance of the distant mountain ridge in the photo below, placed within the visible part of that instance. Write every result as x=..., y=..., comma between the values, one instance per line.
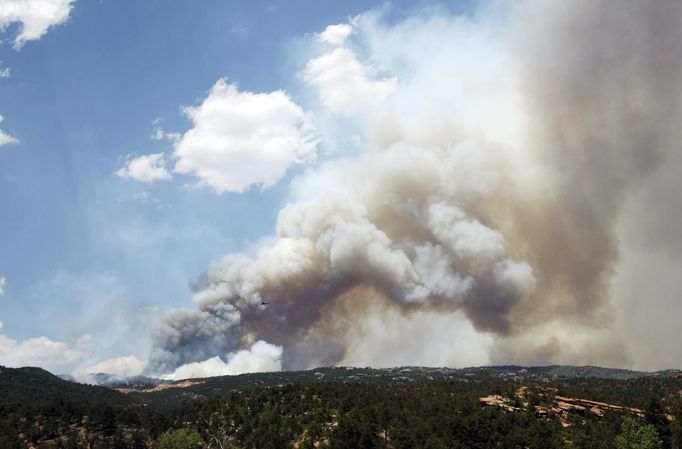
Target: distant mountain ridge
x=17, y=384
x=571, y=371
x=397, y=374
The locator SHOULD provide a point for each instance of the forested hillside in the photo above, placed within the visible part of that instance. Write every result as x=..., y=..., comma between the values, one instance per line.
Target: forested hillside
x=505, y=407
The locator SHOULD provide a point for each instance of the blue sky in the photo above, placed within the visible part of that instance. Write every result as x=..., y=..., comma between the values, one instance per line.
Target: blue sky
x=74, y=238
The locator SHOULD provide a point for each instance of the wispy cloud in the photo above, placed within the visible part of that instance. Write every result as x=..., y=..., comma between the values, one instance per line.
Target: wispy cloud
x=146, y=168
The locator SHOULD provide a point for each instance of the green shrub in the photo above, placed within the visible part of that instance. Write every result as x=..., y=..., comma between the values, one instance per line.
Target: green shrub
x=635, y=435
x=179, y=439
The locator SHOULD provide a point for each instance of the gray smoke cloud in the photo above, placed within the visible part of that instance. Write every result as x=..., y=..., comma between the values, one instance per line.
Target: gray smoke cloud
x=499, y=152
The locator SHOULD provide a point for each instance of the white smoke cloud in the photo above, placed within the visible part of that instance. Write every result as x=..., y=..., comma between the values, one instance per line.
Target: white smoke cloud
x=146, y=168
x=261, y=357
x=121, y=367
x=241, y=139
x=34, y=16
x=496, y=162
x=341, y=234
x=412, y=228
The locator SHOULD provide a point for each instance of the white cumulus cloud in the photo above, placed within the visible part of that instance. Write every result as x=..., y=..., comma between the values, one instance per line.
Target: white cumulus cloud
x=336, y=35
x=3, y=281
x=261, y=357
x=147, y=168
x=344, y=84
x=37, y=351
x=34, y=17
x=241, y=139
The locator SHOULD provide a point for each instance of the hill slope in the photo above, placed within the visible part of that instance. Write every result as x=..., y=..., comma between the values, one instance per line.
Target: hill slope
x=22, y=385
x=400, y=408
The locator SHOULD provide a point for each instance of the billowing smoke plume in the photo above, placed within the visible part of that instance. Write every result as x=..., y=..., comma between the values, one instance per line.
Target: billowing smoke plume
x=498, y=151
